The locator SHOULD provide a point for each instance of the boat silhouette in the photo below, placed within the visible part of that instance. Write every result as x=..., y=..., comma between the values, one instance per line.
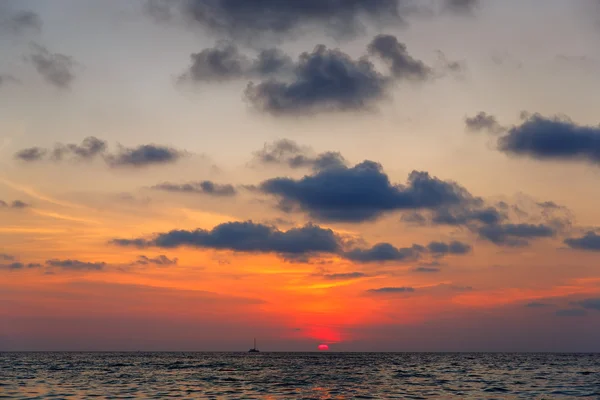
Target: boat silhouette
x=254, y=349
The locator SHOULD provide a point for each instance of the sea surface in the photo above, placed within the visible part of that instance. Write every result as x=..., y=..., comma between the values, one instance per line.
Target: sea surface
x=299, y=375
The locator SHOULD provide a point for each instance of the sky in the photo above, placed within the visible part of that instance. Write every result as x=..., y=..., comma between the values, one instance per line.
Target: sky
x=374, y=175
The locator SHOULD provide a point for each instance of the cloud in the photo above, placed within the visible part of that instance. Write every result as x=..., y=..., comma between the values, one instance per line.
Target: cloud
x=514, y=235
x=220, y=63
x=249, y=21
x=224, y=62
x=16, y=204
x=247, y=237
x=31, y=154
x=19, y=21
x=590, y=304
x=571, y=312
x=203, y=187
x=549, y=205
x=382, y=252
x=6, y=257
x=403, y=66
x=161, y=260
x=296, y=244
x=362, y=192
x=439, y=249
x=89, y=148
x=494, y=223
x=288, y=152
x=344, y=276
x=76, y=265
x=391, y=290
x=17, y=266
x=590, y=242
x=92, y=147
x=57, y=69
x=551, y=138
x=323, y=81
x=484, y=122
x=143, y=156
x=461, y=6
x=464, y=215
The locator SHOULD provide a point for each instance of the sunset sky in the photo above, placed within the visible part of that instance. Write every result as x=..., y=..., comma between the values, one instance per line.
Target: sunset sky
x=375, y=175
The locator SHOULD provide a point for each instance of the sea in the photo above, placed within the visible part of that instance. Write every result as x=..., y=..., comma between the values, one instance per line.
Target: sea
x=299, y=376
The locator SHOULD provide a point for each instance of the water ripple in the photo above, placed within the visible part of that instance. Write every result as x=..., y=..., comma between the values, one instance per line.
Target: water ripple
x=298, y=375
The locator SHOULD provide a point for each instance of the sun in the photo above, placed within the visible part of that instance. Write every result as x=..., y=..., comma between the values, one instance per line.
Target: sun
x=323, y=347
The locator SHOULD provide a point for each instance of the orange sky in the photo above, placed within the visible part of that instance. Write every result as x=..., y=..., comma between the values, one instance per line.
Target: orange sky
x=161, y=114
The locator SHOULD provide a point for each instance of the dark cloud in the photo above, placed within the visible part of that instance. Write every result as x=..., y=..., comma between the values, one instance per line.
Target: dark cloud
x=16, y=266
x=92, y=147
x=571, y=312
x=362, y=192
x=139, y=242
x=16, y=204
x=295, y=245
x=536, y=304
x=143, y=156
x=461, y=6
x=57, y=69
x=550, y=138
x=271, y=61
x=382, y=252
x=590, y=242
x=288, y=152
x=249, y=21
x=466, y=215
x=439, y=249
x=161, y=260
x=549, y=205
x=203, y=187
x=19, y=21
x=344, y=276
x=553, y=138
x=89, y=148
x=225, y=62
x=402, y=64
x=392, y=290
x=19, y=204
x=31, y=154
x=514, y=235
x=247, y=237
x=493, y=223
x=590, y=304
x=414, y=217
x=484, y=122
x=220, y=63
x=324, y=80
x=76, y=265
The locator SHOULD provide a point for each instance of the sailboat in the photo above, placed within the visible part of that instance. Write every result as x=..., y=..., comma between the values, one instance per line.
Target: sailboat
x=254, y=349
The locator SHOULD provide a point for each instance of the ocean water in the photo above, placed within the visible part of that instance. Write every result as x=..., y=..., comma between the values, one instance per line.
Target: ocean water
x=298, y=375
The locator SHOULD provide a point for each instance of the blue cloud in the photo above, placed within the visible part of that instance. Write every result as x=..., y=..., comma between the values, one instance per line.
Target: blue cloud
x=363, y=192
